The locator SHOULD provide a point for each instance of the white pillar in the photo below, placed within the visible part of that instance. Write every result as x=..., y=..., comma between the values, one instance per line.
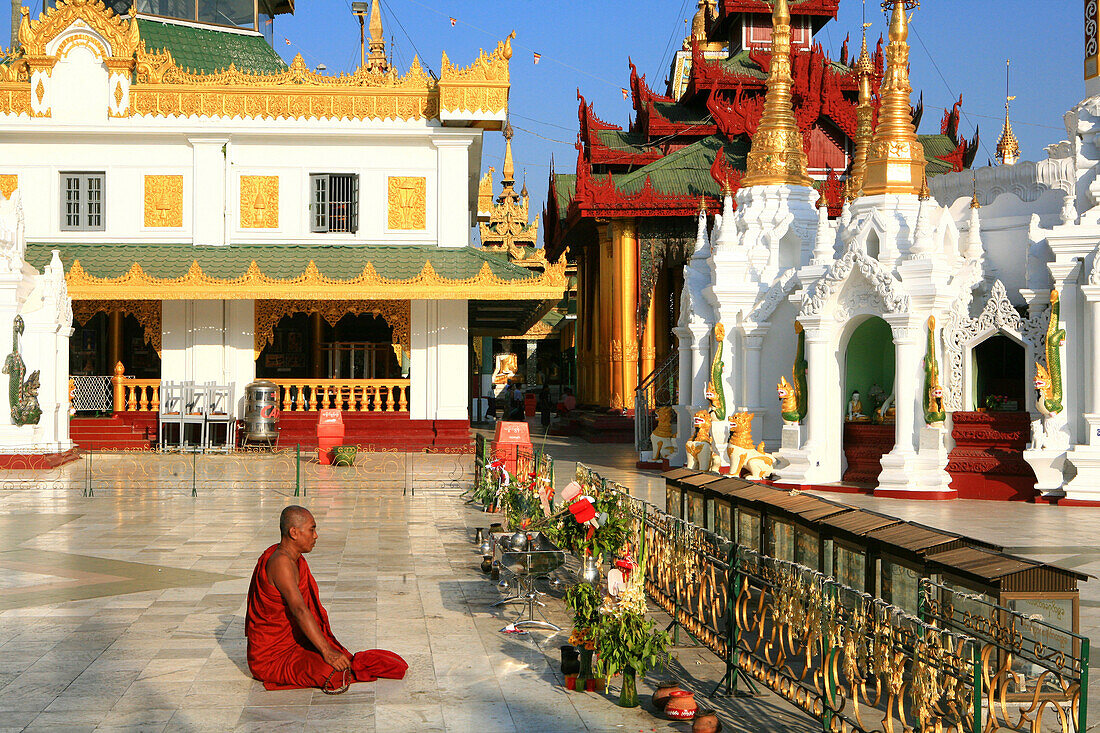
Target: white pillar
x=1070, y=311
x=907, y=391
x=453, y=361
x=754, y=346
x=453, y=190
x=210, y=199
x=422, y=367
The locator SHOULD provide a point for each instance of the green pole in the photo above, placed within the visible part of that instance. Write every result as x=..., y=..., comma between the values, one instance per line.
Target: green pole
x=827, y=658
x=194, y=470
x=976, y=655
x=88, y=476
x=1083, y=702
x=733, y=633
x=297, y=468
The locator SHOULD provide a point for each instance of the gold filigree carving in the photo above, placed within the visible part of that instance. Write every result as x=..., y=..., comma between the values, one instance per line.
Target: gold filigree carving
x=485, y=191
x=407, y=203
x=120, y=33
x=8, y=183
x=395, y=313
x=147, y=313
x=254, y=284
x=481, y=86
x=259, y=202
x=164, y=201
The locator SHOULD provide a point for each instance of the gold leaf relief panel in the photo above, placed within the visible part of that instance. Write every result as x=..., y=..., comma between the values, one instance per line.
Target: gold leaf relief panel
x=8, y=183
x=164, y=201
x=407, y=203
x=259, y=202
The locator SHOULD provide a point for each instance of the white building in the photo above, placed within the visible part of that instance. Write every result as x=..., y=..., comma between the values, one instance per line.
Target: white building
x=223, y=223
x=943, y=313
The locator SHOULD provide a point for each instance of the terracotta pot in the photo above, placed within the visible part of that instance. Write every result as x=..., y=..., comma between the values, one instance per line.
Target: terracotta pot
x=706, y=721
x=681, y=705
x=660, y=695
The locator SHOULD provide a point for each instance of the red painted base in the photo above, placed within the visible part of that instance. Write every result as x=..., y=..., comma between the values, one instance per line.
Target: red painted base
x=652, y=465
x=927, y=495
x=1073, y=502
x=993, y=487
x=37, y=461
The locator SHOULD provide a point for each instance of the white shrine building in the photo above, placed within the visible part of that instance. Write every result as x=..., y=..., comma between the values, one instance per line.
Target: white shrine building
x=222, y=216
x=927, y=314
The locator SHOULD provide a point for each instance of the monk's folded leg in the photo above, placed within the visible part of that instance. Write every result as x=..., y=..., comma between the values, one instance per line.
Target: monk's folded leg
x=302, y=668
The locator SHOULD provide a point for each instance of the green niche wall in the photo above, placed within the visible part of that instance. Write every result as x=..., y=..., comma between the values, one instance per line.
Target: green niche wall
x=869, y=360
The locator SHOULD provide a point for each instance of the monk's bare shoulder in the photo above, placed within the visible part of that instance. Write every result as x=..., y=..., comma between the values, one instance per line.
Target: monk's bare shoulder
x=280, y=566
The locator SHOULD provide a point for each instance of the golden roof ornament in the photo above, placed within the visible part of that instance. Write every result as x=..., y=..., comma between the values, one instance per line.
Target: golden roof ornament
x=974, y=197
x=864, y=113
x=509, y=170
x=509, y=227
x=925, y=194
x=1008, y=148
x=376, y=60
x=776, y=157
x=895, y=161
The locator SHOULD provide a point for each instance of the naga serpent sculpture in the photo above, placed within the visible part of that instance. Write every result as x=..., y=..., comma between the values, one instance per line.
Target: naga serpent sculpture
x=793, y=395
x=22, y=395
x=716, y=394
x=934, y=414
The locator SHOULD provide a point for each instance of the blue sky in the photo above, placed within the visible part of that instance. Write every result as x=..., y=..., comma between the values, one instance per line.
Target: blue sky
x=958, y=46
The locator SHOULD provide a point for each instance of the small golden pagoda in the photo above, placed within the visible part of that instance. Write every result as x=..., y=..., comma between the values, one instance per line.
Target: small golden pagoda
x=509, y=228
x=895, y=162
x=776, y=156
x=864, y=115
x=1008, y=147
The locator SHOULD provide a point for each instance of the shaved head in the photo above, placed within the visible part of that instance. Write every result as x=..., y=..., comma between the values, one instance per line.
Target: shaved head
x=293, y=516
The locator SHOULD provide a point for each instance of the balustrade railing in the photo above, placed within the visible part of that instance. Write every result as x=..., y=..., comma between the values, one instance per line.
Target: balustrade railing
x=351, y=395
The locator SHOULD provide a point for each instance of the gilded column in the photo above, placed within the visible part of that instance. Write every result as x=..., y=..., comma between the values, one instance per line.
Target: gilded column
x=618, y=336
x=580, y=334
x=605, y=304
x=864, y=115
x=895, y=162
x=1092, y=47
x=114, y=338
x=628, y=273
x=649, y=336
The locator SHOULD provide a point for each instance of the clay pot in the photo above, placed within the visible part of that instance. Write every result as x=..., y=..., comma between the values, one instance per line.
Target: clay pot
x=660, y=695
x=706, y=721
x=681, y=705
x=570, y=661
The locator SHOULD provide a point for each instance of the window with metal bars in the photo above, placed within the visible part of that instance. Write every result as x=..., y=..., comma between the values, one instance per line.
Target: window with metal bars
x=82, y=202
x=334, y=202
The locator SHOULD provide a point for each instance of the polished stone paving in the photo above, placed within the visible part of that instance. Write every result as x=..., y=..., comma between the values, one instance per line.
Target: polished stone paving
x=122, y=606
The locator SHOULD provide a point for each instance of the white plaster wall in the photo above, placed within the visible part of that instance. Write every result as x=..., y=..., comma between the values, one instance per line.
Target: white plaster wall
x=208, y=341
x=78, y=88
x=776, y=360
x=438, y=364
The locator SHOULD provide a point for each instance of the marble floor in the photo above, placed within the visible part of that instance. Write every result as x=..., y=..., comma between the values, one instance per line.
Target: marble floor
x=122, y=605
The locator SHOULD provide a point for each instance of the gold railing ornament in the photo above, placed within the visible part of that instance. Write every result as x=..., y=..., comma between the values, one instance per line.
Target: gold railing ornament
x=351, y=395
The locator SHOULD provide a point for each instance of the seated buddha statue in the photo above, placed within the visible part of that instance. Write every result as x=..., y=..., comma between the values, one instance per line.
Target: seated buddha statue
x=855, y=409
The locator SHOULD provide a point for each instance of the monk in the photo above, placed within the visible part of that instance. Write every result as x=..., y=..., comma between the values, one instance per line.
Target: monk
x=290, y=643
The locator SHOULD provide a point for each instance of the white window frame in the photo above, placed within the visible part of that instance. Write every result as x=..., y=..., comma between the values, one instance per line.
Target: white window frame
x=323, y=211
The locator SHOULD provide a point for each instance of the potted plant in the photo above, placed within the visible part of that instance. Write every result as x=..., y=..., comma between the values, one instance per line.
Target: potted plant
x=584, y=601
x=996, y=402
x=627, y=642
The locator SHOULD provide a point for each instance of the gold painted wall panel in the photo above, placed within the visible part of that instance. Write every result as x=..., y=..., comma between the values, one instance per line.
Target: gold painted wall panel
x=407, y=203
x=164, y=201
x=259, y=202
x=8, y=183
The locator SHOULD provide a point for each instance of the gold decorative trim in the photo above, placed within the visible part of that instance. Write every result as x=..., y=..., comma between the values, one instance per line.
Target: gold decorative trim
x=8, y=183
x=164, y=201
x=254, y=284
x=407, y=203
x=147, y=313
x=163, y=88
x=269, y=312
x=259, y=202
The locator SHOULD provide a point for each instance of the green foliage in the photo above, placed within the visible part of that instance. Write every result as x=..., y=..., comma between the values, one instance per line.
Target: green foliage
x=584, y=600
x=629, y=640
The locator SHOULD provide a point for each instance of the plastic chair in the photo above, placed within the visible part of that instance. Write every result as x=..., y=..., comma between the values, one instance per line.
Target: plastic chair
x=170, y=412
x=195, y=399
x=219, y=411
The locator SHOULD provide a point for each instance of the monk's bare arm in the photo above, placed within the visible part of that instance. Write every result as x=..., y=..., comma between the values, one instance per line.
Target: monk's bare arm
x=284, y=574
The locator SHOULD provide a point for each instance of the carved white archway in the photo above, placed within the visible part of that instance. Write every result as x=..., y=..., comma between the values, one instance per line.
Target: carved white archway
x=883, y=295
x=961, y=334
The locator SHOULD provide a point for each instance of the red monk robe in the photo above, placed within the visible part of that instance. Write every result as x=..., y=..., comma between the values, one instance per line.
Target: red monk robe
x=280, y=655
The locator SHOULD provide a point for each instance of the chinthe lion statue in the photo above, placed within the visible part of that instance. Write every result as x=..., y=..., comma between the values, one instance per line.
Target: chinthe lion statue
x=701, y=453
x=742, y=455
x=663, y=438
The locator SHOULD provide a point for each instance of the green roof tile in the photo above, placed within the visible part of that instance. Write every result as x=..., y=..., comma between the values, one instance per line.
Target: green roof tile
x=283, y=261
x=630, y=142
x=686, y=171
x=935, y=145
x=209, y=50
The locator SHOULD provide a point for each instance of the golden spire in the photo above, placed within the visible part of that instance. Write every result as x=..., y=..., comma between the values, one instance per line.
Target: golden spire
x=895, y=162
x=1008, y=148
x=864, y=113
x=376, y=60
x=509, y=170
x=776, y=156
x=974, y=198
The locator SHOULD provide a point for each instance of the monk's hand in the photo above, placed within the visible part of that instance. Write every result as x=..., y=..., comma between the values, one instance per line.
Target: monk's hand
x=336, y=659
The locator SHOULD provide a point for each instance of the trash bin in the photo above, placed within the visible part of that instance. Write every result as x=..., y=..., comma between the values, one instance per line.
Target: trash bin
x=261, y=411
x=530, y=403
x=330, y=434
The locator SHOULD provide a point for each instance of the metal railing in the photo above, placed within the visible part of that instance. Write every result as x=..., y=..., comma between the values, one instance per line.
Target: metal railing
x=658, y=389
x=852, y=661
x=91, y=393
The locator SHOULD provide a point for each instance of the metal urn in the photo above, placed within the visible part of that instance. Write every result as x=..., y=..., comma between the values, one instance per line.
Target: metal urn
x=590, y=572
x=518, y=541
